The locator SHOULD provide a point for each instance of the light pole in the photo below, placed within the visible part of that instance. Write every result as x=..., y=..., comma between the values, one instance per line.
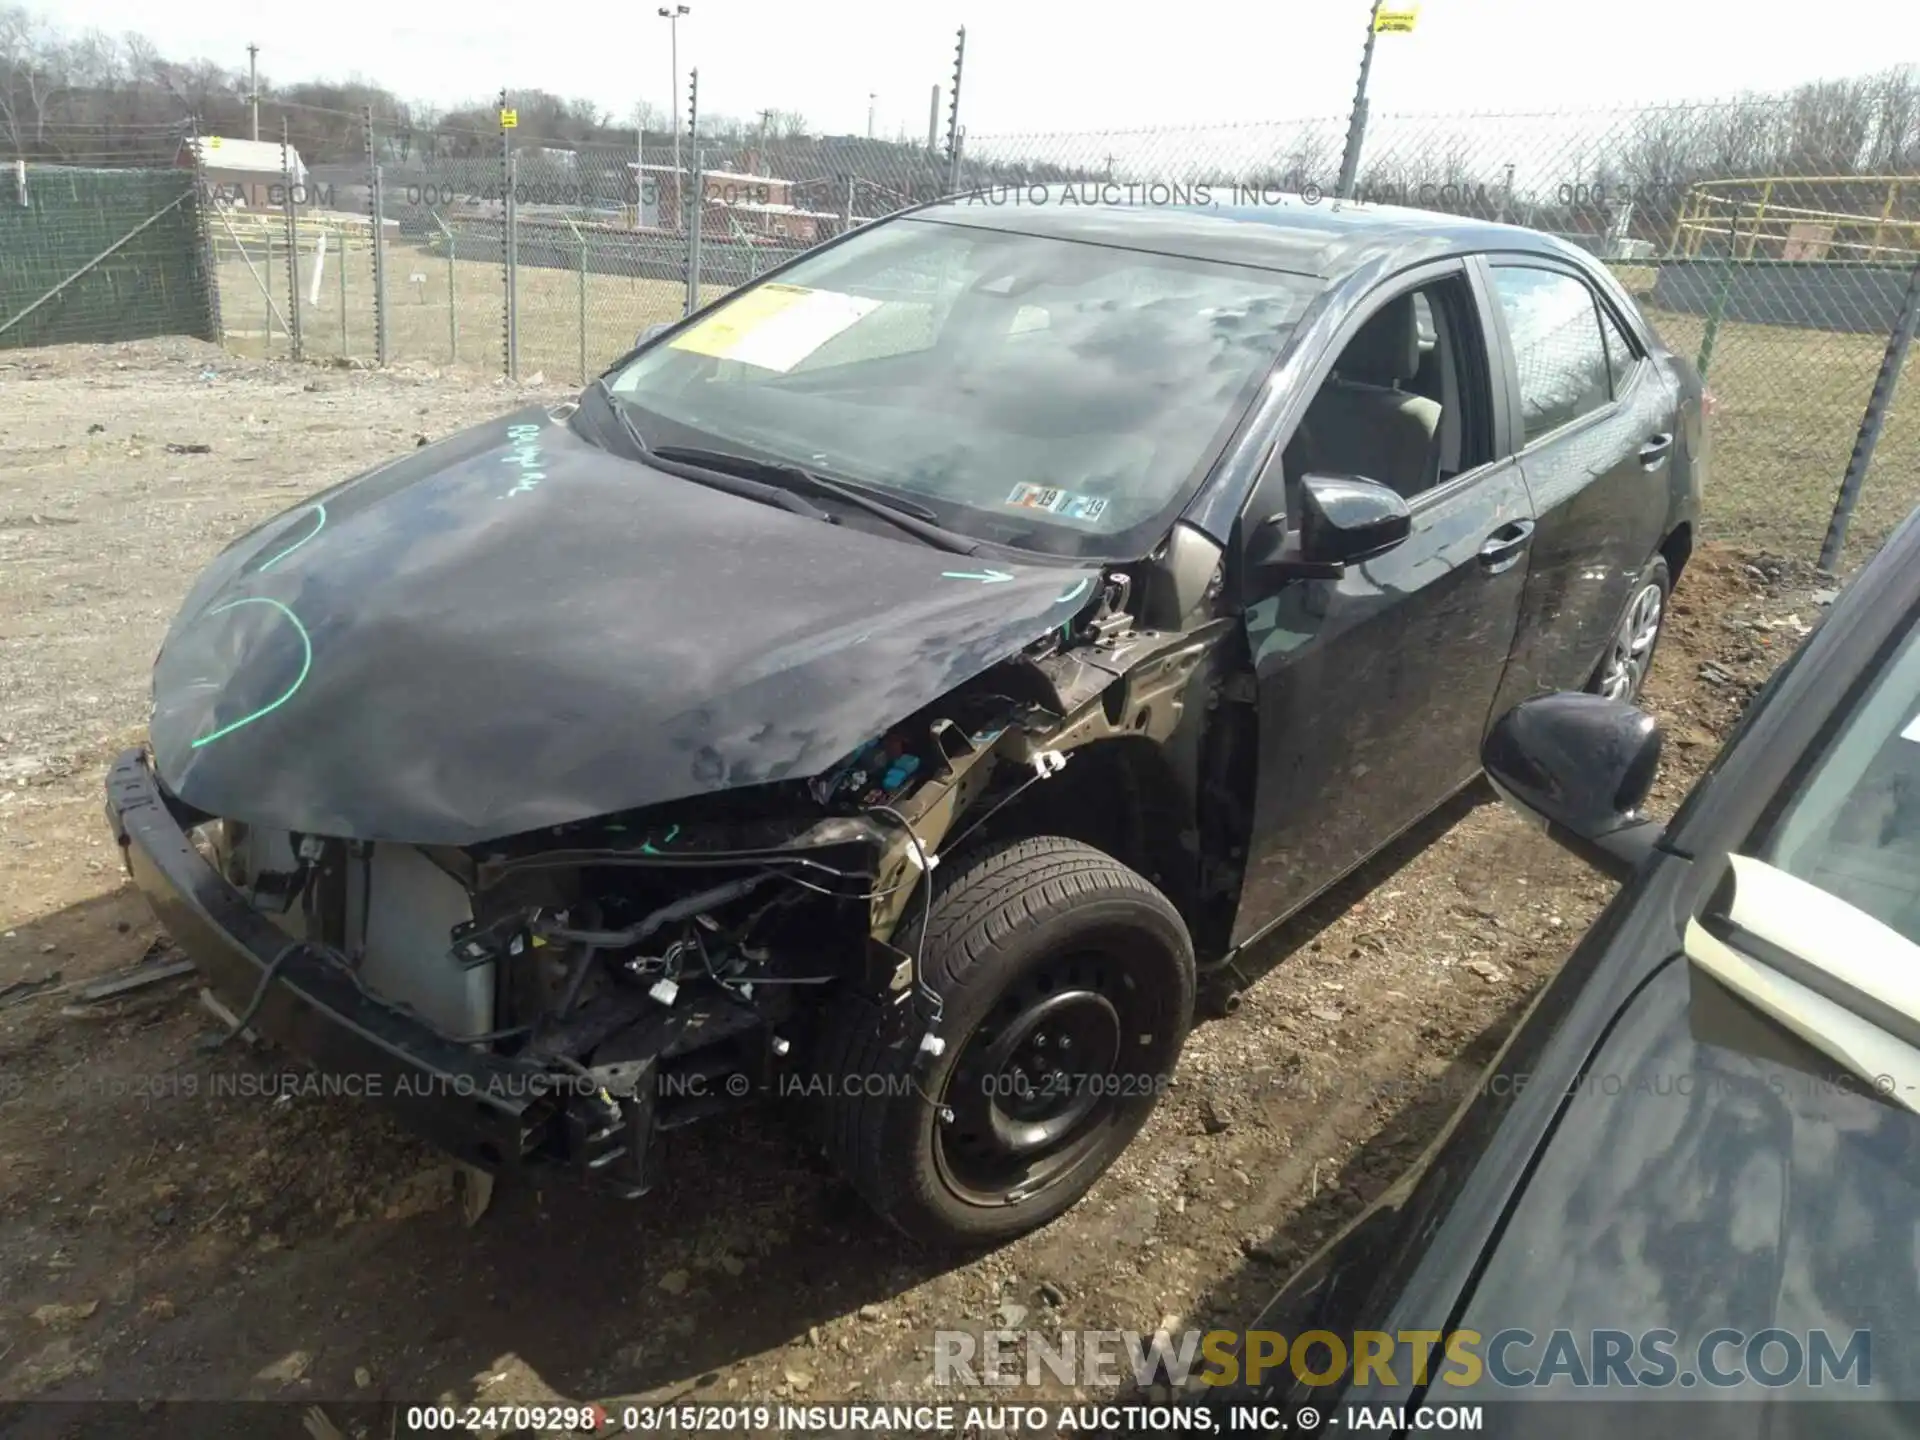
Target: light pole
x=872, y=95
x=671, y=14
x=253, y=86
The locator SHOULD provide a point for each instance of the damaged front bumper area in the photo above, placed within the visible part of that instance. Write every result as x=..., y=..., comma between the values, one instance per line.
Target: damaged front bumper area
x=490, y=1111
x=458, y=1097
x=567, y=1002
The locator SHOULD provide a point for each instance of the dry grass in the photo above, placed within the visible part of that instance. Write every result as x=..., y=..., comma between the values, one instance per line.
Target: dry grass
x=1790, y=407
x=423, y=327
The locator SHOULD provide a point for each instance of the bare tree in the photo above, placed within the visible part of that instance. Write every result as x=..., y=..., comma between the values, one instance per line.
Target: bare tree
x=31, y=64
x=1308, y=161
x=787, y=124
x=1895, y=147
x=1743, y=138
x=1829, y=124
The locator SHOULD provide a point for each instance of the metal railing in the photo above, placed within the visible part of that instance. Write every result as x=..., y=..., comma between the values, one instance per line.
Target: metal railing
x=1749, y=215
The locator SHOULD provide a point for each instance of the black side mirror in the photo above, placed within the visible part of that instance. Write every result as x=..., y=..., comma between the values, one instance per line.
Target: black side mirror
x=1580, y=766
x=648, y=334
x=1343, y=520
x=1349, y=518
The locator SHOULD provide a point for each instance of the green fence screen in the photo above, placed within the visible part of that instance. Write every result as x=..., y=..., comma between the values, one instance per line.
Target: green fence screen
x=97, y=256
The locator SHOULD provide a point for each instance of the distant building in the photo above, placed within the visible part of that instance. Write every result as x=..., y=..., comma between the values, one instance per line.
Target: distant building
x=735, y=204
x=252, y=174
x=565, y=159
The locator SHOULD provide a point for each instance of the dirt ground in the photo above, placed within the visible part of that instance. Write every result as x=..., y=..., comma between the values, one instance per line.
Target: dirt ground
x=159, y=1239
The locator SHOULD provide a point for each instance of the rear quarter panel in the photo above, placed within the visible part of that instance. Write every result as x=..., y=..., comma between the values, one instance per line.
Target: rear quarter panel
x=1693, y=445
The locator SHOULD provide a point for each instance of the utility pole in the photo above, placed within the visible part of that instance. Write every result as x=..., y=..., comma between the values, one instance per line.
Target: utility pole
x=292, y=217
x=953, y=110
x=510, y=334
x=1878, y=404
x=253, y=86
x=693, y=197
x=1357, y=123
x=671, y=14
x=872, y=95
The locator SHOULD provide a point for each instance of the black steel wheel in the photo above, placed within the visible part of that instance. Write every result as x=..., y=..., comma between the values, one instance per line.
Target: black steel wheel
x=1067, y=987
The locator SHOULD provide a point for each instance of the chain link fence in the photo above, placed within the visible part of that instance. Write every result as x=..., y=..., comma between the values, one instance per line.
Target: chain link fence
x=1769, y=240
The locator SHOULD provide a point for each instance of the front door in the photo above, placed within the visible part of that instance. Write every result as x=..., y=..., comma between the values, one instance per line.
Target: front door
x=1374, y=689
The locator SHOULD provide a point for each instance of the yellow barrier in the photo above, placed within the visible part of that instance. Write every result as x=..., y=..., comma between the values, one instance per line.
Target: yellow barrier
x=342, y=228
x=1761, y=210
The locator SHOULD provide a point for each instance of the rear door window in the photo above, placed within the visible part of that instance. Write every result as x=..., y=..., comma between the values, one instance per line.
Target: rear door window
x=1621, y=356
x=1557, y=346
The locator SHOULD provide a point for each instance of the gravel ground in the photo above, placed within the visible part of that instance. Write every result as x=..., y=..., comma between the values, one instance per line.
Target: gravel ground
x=175, y=1223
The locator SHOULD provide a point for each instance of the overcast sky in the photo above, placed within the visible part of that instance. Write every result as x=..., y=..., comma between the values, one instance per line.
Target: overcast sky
x=1036, y=66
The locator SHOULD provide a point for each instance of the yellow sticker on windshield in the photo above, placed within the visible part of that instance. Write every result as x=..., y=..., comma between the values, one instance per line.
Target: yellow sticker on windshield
x=774, y=327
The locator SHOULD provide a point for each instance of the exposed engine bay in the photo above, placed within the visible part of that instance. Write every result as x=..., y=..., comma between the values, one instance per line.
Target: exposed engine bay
x=647, y=969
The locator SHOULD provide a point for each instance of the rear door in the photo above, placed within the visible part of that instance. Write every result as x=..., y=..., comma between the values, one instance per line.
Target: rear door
x=1373, y=690
x=1594, y=420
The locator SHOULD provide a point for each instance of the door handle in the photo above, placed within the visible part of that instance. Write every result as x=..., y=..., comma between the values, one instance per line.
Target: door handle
x=1655, y=450
x=1505, y=545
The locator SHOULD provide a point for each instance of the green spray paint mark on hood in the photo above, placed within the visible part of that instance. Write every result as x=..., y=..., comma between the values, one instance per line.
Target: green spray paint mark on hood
x=319, y=524
x=306, y=664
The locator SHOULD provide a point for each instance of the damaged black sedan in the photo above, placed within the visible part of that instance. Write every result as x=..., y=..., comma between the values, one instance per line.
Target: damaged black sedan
x=903, y=685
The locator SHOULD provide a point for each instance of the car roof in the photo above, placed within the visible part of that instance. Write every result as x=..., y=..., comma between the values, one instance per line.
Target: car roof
x=1324, y=238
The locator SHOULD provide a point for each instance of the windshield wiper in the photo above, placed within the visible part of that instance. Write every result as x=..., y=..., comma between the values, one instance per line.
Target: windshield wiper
x=851, y=490
x=686, y=469
x=916, y=520
x=621, y=417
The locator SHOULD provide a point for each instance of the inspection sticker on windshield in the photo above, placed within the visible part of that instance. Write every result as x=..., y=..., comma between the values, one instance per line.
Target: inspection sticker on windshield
x=1912, y=732
x=774, y=327
x=1064, y=503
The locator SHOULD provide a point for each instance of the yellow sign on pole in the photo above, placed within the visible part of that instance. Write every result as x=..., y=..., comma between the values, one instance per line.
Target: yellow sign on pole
x=1395, y=19
x=509, y=119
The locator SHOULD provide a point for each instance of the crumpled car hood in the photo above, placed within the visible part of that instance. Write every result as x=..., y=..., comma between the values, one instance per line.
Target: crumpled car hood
x=515, y=629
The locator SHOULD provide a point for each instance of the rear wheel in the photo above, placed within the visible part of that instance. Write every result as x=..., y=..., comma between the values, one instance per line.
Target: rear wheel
x=1623, y=670
x=1066, y=984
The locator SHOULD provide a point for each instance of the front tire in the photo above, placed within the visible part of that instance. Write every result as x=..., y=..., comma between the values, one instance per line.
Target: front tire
x=1067, y=987
x=1623, y=669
